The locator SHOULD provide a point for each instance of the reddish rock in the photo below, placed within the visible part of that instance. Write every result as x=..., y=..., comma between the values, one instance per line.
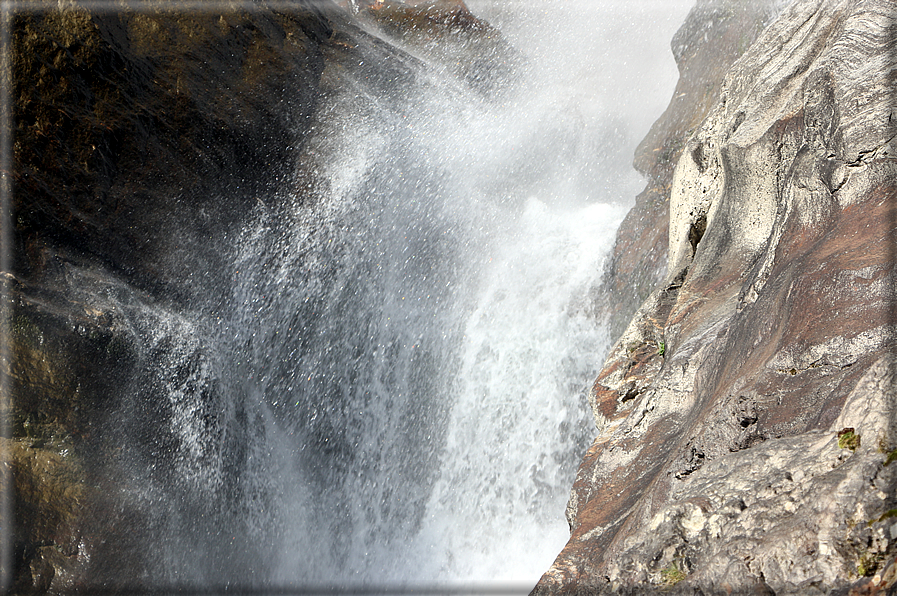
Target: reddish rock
x=718, y=467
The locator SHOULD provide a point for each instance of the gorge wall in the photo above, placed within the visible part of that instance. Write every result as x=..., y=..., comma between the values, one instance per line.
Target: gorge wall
x=746, y=416
x=129, y=165
x=174, y=254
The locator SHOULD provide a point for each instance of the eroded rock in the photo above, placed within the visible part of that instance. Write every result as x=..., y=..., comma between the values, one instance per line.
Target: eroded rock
x=714, y=35
x=718, y=466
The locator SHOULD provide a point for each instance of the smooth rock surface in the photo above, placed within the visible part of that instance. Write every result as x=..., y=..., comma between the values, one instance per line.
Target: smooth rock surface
x=717, y=467
x=713, y=36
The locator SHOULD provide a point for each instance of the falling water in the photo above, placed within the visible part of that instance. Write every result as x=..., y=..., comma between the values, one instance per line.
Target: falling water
x=395, y=393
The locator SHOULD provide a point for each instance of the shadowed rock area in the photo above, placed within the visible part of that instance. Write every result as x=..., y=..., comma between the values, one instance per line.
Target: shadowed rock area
x=146, y=137
x=142, y=139
x=746, y=416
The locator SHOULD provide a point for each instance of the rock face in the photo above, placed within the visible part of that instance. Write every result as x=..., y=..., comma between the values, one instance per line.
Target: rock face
x=129, y=160
x=747, y=414
x=446, y=33
x=145, y=138
x=714, y=35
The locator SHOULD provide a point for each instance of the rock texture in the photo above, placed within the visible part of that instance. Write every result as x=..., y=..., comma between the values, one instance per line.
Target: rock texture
x=445, y=32
x=714, y=35
x=145, y=138
x=747, y=414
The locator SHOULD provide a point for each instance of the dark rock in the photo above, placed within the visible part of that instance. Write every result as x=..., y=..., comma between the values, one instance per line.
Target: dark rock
x=777, y=325
x=445, y=32
x=145, y=139
x=141, y=134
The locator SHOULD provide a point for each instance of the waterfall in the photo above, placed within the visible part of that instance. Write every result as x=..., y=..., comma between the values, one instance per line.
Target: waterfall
x=394, y=391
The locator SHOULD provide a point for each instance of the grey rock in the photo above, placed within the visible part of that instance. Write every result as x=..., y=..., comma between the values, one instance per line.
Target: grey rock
x=717, y=468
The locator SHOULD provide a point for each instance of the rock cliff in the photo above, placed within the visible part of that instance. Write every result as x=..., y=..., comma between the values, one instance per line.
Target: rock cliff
x=746, y=416
x=135, y=151
x=145, y=139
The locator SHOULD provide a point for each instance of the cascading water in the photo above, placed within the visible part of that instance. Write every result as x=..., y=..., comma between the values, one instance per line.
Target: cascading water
x=394, y=395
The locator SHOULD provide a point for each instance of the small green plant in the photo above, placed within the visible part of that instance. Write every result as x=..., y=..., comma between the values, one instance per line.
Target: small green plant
x=869, y=564
x=892, y=456
x=848, y=439
x=671, y=574
x=661, y=347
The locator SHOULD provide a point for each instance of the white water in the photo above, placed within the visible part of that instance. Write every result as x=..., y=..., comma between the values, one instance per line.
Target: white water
x=518, y=202
x=396, y=395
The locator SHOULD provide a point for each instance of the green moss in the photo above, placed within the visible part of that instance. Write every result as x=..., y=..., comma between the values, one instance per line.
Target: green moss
x=892, y=456
x=886, y=515
x=672, y=574
x=869, y=564
x=848, y=439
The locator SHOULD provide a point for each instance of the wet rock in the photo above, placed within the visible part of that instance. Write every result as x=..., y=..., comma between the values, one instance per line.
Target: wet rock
x=146, y=138
x=49, y=492
x=142, y=134
x=68, y=358
x=445, y=32
x=718, y=463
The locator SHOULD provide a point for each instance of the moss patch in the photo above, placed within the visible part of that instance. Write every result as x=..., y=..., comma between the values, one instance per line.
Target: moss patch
x=892, y=456
x=672, y=574
x=848, y=439
x=869, y=564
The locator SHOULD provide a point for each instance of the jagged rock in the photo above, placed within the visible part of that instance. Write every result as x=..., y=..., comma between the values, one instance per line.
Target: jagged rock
x=718, y=467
